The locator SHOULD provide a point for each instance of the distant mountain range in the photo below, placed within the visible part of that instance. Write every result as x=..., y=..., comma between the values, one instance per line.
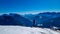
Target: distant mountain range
x=47, y=20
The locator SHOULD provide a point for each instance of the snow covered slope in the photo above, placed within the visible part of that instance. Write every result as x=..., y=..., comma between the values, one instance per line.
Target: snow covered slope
x=25, y=30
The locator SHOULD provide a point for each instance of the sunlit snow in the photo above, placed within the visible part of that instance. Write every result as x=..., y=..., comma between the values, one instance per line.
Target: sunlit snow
x=25, y=30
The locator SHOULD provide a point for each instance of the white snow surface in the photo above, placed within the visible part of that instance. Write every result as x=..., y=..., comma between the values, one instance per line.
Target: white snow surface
x=25, y=30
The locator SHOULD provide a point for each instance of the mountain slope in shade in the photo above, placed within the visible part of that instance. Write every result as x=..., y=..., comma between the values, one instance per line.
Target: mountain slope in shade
x=52, y=22
x=14, y=19
x=25, y=30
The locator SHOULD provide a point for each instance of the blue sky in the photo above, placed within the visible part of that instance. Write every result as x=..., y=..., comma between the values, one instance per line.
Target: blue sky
x=28, y=5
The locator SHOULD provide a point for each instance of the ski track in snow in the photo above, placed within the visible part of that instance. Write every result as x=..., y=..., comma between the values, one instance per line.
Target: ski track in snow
x=25, y=30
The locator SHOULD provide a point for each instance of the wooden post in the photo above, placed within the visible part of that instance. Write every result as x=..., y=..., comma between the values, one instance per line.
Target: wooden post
x=34, y=23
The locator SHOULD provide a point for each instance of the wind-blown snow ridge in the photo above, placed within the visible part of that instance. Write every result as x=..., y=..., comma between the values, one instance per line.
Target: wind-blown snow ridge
x=25, y=30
